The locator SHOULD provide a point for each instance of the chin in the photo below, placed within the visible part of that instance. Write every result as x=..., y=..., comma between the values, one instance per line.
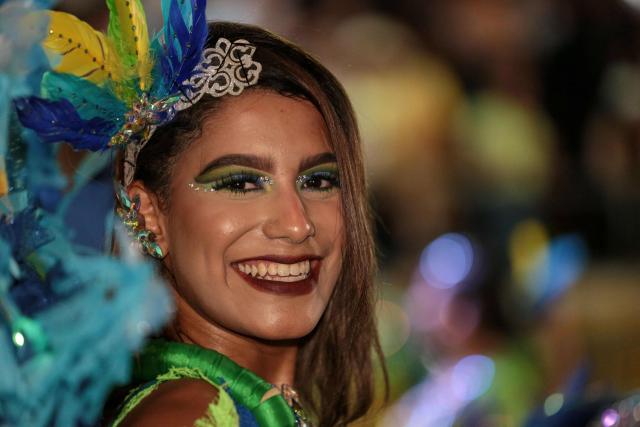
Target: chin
x=283, y=330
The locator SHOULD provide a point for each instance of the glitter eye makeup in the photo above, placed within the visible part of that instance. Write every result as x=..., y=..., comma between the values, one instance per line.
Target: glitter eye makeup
x=237, y=180
x=319, y=181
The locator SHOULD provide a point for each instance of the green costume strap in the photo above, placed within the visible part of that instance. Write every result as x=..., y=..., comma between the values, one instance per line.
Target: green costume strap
x=245, y=387
x=221, y=413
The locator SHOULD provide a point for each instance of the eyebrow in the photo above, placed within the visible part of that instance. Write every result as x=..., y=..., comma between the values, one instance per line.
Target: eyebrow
x=248, y=160
x=316, y=160
x=265, y=163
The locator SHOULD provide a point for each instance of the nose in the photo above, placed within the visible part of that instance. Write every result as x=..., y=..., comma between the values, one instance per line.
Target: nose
x=288, y=219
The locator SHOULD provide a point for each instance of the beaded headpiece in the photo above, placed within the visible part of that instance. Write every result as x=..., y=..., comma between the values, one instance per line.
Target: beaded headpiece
x=115, y=89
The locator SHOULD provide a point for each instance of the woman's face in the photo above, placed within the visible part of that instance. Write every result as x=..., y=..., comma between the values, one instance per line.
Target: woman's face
x=254, y=226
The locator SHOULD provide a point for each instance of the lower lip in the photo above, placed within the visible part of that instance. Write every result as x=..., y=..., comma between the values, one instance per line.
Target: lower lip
x=300, y=287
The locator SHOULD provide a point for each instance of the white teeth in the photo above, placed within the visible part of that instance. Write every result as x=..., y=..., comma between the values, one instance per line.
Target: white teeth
x=285, y=279
x=294, y=270
x=277, y=271
x=283, y=270
x=262, y=269
x=272, y=269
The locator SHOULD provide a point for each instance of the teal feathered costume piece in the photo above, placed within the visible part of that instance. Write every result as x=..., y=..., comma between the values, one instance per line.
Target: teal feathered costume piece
x=70, y=318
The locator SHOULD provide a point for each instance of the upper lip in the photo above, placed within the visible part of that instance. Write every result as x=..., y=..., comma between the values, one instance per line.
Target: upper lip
x=282, y=259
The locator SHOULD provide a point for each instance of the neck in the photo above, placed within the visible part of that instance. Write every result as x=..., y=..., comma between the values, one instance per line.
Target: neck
x=274, y=361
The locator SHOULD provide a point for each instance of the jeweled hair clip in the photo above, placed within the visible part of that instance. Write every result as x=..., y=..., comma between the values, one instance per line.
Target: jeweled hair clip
x=226, y=69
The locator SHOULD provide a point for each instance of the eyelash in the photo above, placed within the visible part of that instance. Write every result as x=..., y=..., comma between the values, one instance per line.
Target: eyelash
x=329, y=176
x=232, y=181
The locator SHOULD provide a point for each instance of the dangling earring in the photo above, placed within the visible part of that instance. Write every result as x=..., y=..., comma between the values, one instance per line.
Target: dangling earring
x=147, y=240
x=128, y=212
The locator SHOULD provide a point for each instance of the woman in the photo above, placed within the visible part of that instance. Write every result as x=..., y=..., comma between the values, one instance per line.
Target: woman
x=272, y=268
x=255, y=207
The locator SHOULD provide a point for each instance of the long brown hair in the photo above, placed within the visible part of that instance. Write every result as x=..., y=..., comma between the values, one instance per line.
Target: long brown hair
x=334, y=372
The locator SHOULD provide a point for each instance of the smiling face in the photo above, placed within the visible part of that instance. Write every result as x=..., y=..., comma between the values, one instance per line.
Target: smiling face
x=253, y=228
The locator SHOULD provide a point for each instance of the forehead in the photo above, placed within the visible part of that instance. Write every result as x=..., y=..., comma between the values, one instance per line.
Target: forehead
x=265, y=124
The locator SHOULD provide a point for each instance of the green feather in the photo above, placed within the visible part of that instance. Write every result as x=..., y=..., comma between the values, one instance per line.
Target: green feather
x=89, y=99
x=128, y=31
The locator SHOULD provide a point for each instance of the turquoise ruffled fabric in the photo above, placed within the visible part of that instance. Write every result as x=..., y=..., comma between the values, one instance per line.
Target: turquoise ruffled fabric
x=70, y=316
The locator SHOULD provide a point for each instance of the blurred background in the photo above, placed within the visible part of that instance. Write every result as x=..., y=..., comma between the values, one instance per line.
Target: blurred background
x=503, y=147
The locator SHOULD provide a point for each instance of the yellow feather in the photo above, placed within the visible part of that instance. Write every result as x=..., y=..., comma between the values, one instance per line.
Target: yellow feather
x=80, y=49
x=4, y=182
x=132, y=24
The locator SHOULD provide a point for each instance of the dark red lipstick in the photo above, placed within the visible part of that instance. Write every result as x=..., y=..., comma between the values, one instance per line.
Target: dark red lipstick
x=300, y=287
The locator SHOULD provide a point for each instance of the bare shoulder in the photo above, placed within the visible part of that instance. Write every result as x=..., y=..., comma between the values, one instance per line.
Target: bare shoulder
x=174, y=403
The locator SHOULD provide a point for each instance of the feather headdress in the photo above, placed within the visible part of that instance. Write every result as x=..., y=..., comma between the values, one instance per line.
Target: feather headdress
x=114, y=89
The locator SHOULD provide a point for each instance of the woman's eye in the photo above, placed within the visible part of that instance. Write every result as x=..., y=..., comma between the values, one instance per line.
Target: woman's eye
x=240, y=185
x=235, y=183
x=319, y=181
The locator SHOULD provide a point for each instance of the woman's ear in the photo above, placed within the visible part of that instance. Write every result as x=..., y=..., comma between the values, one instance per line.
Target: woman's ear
x=152, y=217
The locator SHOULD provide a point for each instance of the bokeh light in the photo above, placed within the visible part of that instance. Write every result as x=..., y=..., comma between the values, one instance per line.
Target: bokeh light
x=561, y=267
x=472, y=376
x=393, y=326
x=553, y=404
x=527, y=244
x=610, y=418
x=447, y=260
x=544, y=268
x=18, y=339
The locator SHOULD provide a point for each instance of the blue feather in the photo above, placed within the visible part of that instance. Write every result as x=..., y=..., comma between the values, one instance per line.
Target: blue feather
x=58, y=121
x=90, y=100
x=24, y=233
x=177, y=17
x=180, y=51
